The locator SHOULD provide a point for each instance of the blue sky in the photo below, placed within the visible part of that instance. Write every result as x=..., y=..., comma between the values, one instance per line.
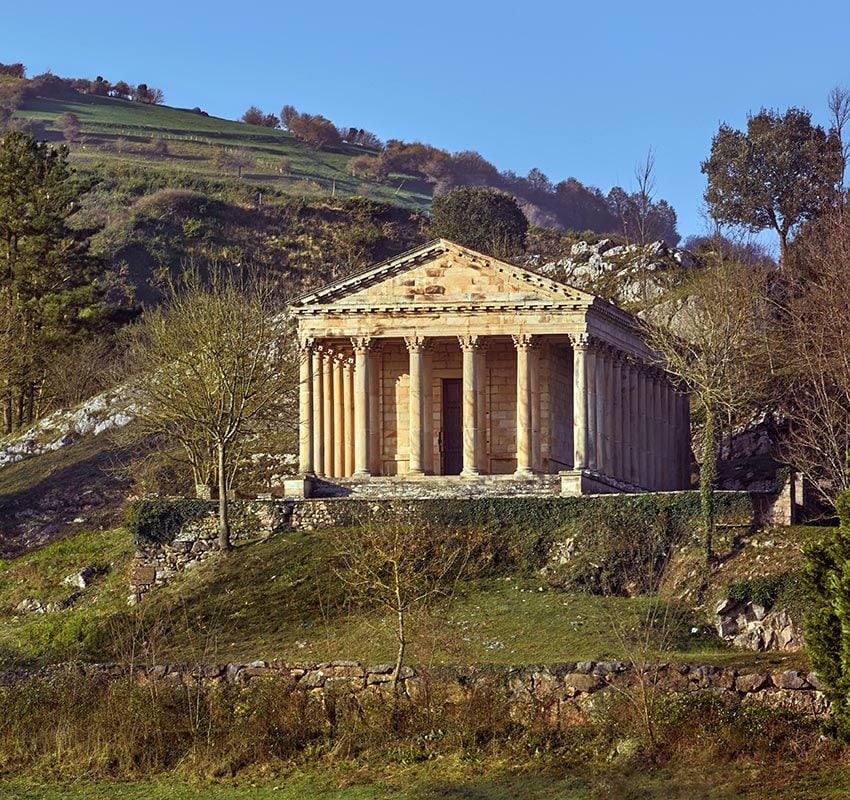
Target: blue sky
x=576, y=89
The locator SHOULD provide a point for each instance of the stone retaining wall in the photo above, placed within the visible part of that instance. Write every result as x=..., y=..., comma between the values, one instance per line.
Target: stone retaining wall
x=565, y=691
x=437, y=486
x=156, y=565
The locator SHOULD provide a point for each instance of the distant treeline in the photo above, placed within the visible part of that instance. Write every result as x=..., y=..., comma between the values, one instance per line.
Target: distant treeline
x=567, y=205
x=14, y=93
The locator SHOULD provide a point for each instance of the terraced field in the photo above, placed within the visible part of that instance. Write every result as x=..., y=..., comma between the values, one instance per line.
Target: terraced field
x=116, y=131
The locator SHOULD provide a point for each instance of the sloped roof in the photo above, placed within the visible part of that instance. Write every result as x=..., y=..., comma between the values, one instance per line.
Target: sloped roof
x=522, y=281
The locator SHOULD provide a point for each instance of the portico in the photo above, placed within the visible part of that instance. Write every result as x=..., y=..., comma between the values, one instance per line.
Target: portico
x=444, y=361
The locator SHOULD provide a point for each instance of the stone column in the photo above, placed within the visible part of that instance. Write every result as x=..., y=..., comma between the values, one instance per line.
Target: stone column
x=415, y=350
x=617, y=411
x=580, y=344
x=600, y=406
x=339, y=416
x=643, y=428
x=328, y=410
x=428, y=412
x=362, y=405
x=481, y=410
x=684, y=443
x=634, y=424
x=606, y=409
x=536, y=429
x=305, y=407
x=592, y=418
x=318, y=413
x=348, y=413
x=653, y=429
x=469, y=345
x=523, y=344
x=373, y=382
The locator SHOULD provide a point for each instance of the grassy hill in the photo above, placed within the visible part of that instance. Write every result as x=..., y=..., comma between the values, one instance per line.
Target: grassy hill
x=221, y=612
x=115, y=131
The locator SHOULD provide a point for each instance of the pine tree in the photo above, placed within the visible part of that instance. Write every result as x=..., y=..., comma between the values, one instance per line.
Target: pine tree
x=48, y=297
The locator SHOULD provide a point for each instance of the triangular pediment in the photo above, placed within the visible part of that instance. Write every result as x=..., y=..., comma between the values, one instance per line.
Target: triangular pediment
x=442, y=273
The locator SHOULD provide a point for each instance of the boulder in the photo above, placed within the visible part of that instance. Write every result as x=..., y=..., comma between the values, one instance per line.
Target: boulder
x=82, y=578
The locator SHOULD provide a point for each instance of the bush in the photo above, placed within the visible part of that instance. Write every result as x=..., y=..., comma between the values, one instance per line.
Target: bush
x=826, y=578
x=157, y=521
x=768, y=591
x=486, y=220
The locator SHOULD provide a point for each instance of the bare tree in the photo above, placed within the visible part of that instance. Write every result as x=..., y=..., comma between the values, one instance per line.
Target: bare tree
x=235, y=160
x=817, y=399
x=839, y=110
x=643, y=197
x=713, y=332
x=210, y=365
x=403, y=565
x=69, y=124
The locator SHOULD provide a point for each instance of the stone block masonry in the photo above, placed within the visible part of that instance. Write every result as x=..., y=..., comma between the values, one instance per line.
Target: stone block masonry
x=156, y=564
x=560, y=694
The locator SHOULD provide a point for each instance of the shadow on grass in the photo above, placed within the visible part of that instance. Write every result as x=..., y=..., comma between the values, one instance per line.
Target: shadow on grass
x=41, y=495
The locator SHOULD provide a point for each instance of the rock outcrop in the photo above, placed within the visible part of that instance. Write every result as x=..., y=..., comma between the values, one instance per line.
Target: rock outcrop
x=627, y=274
x=751, y=626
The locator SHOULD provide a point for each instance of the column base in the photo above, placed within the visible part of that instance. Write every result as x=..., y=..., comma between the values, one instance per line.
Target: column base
x=471, y=472
x=298, y=488
x=415, y=473
x=362, y=475
x=581, y=481
x=524, y=472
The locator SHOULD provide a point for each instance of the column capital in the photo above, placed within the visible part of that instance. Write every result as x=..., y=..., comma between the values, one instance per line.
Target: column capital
x=415, y=344
x=469, y=341
x=307, y=344
x=583, y=341
x=361, y=344
x=524, y=341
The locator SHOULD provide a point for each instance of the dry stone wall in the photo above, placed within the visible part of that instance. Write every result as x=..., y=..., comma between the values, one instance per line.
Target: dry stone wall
x=566, y=692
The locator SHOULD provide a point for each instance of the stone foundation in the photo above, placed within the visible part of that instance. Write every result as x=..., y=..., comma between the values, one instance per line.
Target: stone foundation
x=437, y=486
x=345, y=502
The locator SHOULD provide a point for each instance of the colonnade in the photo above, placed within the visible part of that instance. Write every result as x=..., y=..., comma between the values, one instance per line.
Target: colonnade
x=629, y=421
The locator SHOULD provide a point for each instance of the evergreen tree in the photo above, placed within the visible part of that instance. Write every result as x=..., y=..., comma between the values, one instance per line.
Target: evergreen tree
x=827, y=623
x=781, y=172
x=484, y=219
x=48, y=298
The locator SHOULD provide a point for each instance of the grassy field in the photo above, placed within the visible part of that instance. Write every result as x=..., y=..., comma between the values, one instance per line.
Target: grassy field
x=278, y=599
x=118, y=131
x=480, y=779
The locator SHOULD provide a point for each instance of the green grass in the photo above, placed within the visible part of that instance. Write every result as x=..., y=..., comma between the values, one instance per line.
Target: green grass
x=278, y=599
x=459, y=779
x=118, y=131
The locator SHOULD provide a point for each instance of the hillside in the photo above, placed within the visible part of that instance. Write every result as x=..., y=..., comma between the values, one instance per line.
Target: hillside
x=220, y=612
x=119, y=132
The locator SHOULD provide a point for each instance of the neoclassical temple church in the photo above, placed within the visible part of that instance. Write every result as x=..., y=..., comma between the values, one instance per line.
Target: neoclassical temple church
x=446, y=362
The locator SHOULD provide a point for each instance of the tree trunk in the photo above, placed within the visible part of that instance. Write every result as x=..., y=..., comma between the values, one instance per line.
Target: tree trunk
x=20, y=407
x=7, y=412
x=401, y=646
x=223, y=515
x=707, y=475
x=783, y=249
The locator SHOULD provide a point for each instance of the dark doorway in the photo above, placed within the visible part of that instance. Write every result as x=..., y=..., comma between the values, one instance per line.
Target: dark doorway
x=451, y=436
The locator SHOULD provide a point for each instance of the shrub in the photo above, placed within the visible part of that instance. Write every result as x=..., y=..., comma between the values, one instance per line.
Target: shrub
x=826, y=578
x=768, y=590
x=484, y=219
x=157, y=521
